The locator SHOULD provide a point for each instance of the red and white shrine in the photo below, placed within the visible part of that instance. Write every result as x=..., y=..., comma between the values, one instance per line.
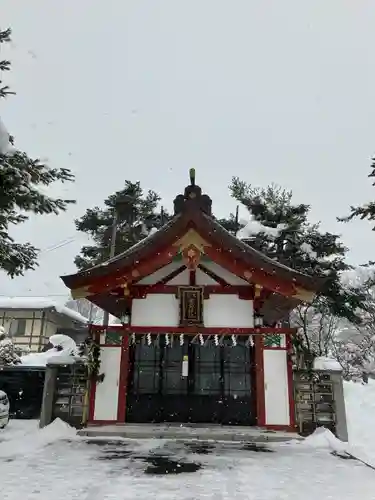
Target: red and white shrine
x=201, y=339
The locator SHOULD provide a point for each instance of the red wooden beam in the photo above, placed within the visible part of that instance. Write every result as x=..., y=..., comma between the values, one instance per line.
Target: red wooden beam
x=192, y=277
x=273, y=283
x=123, y=379
x=141, y=291
x=171, y=275
x=134, y=273
x=195, y=330
x=259, y=381
x=213, y=275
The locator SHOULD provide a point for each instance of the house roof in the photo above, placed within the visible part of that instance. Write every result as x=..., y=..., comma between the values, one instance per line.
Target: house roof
x=192, y=213
x=40, y=303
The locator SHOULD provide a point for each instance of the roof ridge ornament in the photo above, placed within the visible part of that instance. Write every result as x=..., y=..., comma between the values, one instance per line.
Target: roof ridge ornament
x=192, y=176
x=192, y=198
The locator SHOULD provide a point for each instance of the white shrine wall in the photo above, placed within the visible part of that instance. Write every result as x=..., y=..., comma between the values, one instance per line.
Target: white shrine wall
x=160, y=273
x=276, y=388
x=229, y=277
x=228, y=311
x=221, y=310
x=201, y=277
x=106, y=393
x=156, y=309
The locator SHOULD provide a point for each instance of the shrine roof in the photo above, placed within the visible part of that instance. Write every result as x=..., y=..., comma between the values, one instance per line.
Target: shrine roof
x=192, y=210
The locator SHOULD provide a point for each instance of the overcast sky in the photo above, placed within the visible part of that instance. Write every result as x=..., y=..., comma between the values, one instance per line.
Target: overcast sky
x=270, y=91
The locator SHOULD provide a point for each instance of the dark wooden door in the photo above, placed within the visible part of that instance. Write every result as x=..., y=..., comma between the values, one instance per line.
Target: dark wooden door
x=217, y=388
x=157, y=391
x=239, y=405
x=143, y=401
x=206, y=383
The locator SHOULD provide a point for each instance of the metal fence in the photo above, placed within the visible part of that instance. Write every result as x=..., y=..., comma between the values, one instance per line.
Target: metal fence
x=65, y=394
x=70, y=401
x=314, y=396
x=24, y=387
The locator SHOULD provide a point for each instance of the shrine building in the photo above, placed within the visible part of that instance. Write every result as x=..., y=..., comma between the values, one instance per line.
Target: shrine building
x=202, y=337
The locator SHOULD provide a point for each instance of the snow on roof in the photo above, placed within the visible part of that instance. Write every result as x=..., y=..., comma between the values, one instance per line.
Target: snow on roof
x=324, y=363
x=67, y=356
x=40, y=303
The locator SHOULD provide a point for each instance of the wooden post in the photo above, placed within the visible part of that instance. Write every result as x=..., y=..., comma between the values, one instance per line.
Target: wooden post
x=46, y=413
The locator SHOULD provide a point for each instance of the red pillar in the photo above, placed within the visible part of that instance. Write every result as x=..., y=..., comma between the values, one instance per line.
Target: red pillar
x=292, y=415
x=259, y=382
x=96, y=338
x=123, y=379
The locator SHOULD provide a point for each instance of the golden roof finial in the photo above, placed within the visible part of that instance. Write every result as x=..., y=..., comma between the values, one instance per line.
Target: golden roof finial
x=192, y=176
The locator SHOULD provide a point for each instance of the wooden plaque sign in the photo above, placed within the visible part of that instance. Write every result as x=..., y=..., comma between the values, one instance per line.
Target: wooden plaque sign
x=191, y=305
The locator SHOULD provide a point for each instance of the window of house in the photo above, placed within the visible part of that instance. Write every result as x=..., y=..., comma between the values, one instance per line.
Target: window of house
x=17, y=327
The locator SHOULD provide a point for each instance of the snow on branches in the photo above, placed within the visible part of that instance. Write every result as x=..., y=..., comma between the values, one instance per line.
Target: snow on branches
x=21, y=179
x=8, y=355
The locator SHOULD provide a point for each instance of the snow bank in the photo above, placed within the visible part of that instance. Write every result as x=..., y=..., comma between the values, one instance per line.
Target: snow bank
x=360, y=412
x=30, y=441
x=253, y=227
x=40, y=303
x=323, y=438
x=323, y=363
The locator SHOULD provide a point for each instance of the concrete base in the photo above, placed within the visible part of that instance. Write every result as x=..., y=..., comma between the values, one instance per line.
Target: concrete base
x=189, y=432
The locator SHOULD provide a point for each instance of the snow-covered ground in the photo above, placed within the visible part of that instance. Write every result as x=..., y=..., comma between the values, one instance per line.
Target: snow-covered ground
x=55, y=463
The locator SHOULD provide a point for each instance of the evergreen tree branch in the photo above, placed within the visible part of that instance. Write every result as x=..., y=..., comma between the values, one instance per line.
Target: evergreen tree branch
x=22, y=180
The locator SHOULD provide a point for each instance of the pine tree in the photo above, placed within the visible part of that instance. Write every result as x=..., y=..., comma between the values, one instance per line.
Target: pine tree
x=280, y=229
x=21, y=180
x=366, y=211
x=137, y=215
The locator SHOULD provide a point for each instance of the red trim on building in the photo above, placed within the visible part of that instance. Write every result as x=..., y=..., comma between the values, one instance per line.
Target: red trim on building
x=91, y=401
x=123, y=380
x=273, y=283
x=259, y=381
x=212, y=275
x=96, y=338
x=289, y=367
x=171, y=275
x=104, y=422
x=192, y=278
x=283, y=428
x=197, y=329
x=144, y=268
x=141, y=291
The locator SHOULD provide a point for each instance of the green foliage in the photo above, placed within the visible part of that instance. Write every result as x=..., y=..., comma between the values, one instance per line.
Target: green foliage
x=5, y=64
x=21, y=180
x=137, y=214
x=366, y=211
x=300, y=245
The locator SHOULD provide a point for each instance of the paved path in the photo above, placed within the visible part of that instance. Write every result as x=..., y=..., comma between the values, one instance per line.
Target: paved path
x=56, y=469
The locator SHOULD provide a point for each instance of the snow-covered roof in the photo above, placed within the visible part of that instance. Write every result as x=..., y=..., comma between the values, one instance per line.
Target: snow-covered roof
x=329, y=364
x=36, y=303
x=66, y=356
